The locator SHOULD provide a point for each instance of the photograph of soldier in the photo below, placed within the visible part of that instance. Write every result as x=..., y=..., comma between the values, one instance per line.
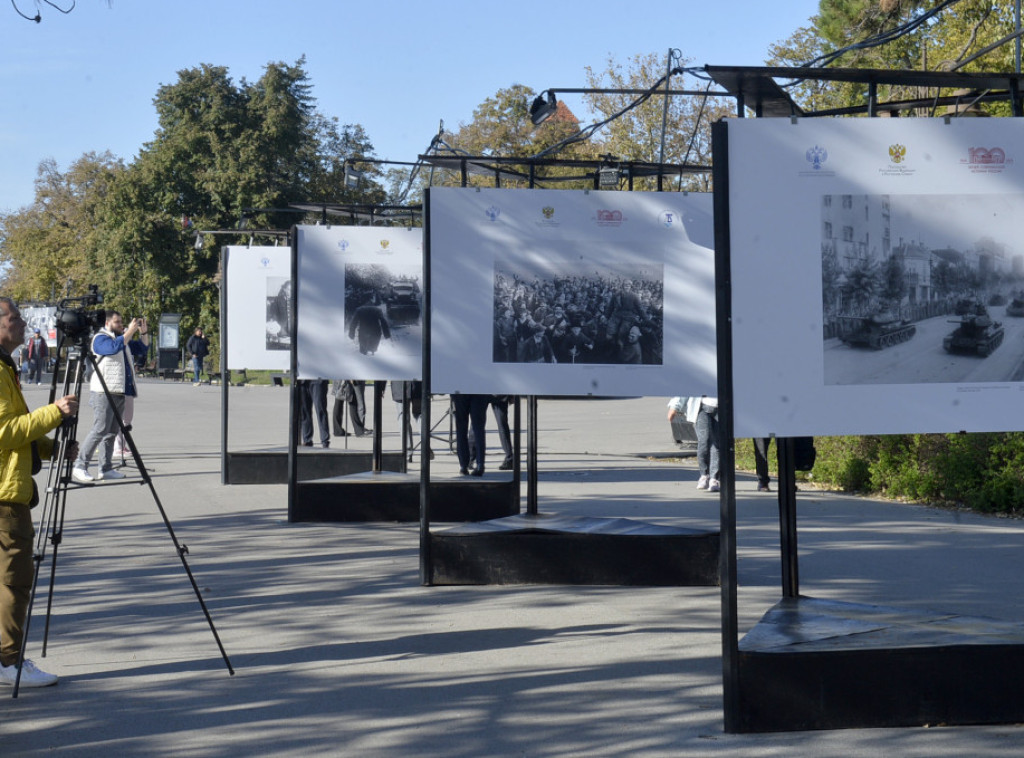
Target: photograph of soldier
x=565, y=315
x=382, y=303
x=279, y=313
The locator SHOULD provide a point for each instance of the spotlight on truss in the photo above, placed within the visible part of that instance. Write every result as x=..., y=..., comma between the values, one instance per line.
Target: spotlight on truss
x=542, y=108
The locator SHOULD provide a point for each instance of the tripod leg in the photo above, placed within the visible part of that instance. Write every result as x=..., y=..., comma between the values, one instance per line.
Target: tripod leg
x=182, y=550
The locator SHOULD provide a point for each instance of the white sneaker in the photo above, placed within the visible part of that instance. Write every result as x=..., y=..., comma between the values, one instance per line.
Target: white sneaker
x=702, y=483
x=714, y=485
x=31, y=676
x=81, y=475
x=111, y=474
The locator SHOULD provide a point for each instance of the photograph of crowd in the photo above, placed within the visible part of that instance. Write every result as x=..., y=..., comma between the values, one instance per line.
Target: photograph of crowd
x=565, y=315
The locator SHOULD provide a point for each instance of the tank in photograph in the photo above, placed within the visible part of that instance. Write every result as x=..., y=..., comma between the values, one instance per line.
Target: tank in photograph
x=877, y=331
x=976, y=334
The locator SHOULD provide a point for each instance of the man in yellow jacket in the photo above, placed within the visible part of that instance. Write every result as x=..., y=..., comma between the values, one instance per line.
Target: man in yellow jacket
x=22, y=434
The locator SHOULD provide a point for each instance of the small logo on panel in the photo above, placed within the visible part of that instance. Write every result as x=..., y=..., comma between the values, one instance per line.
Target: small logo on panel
x=493, y=212
x=548, y=212
x=609, y=218
x=897, y=165
x=343, y=245
x=817, y=156
x=986, y=160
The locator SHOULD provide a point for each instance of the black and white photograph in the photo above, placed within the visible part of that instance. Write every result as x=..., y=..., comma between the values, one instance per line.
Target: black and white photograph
x=259, y=309
x=382, y=305
x=359, y=302
x=922, y=288
x=571, y=292
x=574, y=312
x=279, y=313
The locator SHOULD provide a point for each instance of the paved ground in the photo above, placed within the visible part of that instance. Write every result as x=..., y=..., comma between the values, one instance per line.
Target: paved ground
x=339, y=651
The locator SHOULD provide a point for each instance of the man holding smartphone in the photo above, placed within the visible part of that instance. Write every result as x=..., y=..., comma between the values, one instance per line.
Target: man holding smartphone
x=117, y=369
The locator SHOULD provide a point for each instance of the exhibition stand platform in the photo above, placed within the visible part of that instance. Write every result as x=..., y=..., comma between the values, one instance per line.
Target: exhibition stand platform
x=820, y=664
x=392, y=496
x=556, y=549
x=270, y=466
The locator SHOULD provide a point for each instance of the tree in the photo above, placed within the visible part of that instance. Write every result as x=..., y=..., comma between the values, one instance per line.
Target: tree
x=501, y=127
x=931, y=35
x=861, y=287
x=221, y=149
x=49, y=248
x=637, y=134
x=893, y=286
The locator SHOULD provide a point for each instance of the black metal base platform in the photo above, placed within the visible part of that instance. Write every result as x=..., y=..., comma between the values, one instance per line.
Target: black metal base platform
x=817, y=664
x=388, y=496
x=546, y=549
x=271, y=466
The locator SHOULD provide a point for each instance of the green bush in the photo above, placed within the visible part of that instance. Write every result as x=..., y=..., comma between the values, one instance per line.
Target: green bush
x=984, y=472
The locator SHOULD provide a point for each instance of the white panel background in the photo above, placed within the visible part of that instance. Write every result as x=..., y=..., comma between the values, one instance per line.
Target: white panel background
x=472, y=228
x=324, y=349
x=775, y=229
x=247, y=271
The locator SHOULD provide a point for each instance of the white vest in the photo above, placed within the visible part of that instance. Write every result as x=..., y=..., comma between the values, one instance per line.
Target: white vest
x=111, y=366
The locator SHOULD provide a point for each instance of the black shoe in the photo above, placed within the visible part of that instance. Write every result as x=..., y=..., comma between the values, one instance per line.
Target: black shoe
x=364, y=433
x=326, y=444
x=463, y=472
x=763, y=488
x=505, y=466
x=341, y=433
x=477, y=472
x=308, y=444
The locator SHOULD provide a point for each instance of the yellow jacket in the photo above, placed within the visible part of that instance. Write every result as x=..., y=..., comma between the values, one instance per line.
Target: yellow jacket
x=18, y=430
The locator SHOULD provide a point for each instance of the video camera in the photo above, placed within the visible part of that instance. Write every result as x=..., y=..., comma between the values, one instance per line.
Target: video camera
x=74, y=319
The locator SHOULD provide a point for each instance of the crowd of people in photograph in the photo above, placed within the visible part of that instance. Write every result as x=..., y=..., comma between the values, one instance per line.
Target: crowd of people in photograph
x=605, y=319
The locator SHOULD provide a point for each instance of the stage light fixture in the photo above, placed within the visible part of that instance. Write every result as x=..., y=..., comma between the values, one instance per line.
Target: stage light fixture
x=542, y=108
x=608, y=177
x=352, y=177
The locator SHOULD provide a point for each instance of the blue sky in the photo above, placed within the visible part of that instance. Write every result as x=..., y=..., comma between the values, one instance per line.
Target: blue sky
x=85, y=81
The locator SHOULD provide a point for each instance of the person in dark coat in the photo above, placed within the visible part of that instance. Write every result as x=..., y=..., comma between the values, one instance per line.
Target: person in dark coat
x=371, y=325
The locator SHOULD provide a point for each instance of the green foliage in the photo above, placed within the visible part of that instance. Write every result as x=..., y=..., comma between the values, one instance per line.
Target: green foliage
x=637, y=135
x=978, y=471
x=220, y=148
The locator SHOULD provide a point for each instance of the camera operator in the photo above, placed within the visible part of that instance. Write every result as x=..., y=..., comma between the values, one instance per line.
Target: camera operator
x=117, y=369
x=23, y=443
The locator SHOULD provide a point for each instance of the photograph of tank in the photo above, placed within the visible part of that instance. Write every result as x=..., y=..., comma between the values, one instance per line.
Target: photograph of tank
x=922, y=289
x=573, y=312
x=382, y=304
x=279, y=313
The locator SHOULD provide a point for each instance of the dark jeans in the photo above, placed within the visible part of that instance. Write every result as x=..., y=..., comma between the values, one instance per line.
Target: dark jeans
x=470, y=409
x=706, y=427
x=354, y=394
x=761, y=459
x=313, y=399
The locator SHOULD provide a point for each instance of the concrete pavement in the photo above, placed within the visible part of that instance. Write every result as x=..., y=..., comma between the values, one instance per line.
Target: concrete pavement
x=339, y=651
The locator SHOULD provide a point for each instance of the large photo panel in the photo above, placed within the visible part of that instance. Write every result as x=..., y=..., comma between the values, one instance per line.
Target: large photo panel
x=878, y=275
x=359, y=302
x=559, y=292
x=258, y=283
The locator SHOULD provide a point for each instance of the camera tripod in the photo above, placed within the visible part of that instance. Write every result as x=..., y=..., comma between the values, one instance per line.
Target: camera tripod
x=52, y=506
